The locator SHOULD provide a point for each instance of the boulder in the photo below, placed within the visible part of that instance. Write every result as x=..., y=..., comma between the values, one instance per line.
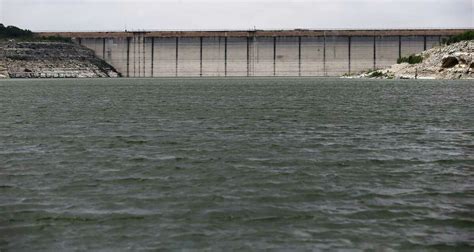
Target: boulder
x=449, y=61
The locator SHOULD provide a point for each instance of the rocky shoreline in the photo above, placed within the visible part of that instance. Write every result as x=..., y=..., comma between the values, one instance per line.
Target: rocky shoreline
x=455, y=61
x=51, y=60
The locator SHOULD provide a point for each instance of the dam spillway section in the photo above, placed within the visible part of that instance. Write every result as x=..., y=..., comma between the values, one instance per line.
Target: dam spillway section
x=256, y=52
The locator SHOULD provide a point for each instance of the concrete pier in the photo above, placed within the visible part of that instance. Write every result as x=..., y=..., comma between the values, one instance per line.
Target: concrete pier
x=256, y=53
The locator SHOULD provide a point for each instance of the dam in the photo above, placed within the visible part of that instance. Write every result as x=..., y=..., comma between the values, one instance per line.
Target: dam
x=255, y=52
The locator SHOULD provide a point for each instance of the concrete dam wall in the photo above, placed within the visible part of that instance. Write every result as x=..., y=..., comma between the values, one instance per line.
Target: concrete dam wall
x=256, y=53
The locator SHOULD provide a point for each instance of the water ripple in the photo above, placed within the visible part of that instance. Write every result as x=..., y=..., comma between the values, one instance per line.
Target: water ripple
x=236, y=164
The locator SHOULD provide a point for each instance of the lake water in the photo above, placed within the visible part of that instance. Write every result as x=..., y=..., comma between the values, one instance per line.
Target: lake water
x=236, y=164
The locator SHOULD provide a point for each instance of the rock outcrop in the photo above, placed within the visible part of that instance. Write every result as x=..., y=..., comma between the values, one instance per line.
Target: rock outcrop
x=455, y=61
x=3, y=71
x=51, y=60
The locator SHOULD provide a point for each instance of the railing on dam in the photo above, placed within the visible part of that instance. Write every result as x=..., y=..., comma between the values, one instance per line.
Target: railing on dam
x=256, y=53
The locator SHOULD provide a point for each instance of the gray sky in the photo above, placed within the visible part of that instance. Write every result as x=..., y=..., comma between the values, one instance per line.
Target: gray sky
x=92, y=15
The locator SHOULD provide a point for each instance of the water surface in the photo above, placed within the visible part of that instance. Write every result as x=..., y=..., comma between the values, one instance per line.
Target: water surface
x=236, y=164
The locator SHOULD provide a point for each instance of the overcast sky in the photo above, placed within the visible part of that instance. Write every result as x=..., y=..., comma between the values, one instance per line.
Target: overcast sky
x=92, y=15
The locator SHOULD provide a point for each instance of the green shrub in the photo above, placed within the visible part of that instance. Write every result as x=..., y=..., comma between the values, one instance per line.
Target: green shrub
x=379, y=74
x=412, y=59
x=469, y=35
x=12, y=32
x=375, y=74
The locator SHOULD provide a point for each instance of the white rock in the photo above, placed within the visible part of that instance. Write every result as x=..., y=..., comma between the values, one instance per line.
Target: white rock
x=449, y=62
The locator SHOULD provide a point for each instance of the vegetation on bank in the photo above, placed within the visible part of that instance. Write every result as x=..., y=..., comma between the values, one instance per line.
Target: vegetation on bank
x=416, y=58
x=412, y=59
x=370, y=73
x=379, y=74
x=13, y=32
x=469, y=35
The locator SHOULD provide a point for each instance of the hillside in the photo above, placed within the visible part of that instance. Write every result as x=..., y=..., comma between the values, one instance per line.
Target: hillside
x=454, y=61
x=50, y=60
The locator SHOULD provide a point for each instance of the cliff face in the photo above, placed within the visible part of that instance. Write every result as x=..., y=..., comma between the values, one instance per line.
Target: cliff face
x=455, y=61
x=51, y=60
